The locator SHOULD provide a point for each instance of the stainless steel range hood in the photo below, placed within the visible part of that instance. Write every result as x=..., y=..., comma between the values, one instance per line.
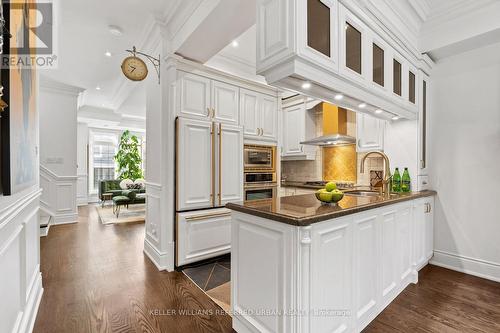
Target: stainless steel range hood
x=334, y=127
x=330, y=140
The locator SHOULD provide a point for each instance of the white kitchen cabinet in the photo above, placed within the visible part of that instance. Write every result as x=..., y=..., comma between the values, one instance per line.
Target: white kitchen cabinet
x=225, y=103
x=369, y=133
x=329, y=44
x=206, y=99
x=298, y=126
x=356, y=263
x=203, y=235
x=332, y=264
x=194, y=95
x=423, y=225
x=365, y=261
x=231, y=164
x=194, y=157
x=259, y=115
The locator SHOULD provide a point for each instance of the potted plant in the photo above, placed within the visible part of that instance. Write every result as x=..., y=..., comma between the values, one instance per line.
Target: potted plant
x=128, y=157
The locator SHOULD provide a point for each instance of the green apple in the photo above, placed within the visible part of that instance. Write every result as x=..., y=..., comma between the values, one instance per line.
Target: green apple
x=326, y=196
x=330, y=186
x=337, y=195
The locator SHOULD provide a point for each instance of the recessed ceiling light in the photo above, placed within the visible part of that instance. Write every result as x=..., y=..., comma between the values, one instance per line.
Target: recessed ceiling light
x=306, y=85
x=338, y=97
x=235, y=43
x=97, y=88
x=115, y=30
x=378, y=111
x=108, y=54
x=395, y=118
x=362, y=105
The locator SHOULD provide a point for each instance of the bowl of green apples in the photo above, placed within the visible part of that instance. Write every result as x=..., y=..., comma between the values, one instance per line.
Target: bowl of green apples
x=329, y=195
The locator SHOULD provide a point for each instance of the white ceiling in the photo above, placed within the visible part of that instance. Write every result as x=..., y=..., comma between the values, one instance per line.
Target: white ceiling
x=84, y=37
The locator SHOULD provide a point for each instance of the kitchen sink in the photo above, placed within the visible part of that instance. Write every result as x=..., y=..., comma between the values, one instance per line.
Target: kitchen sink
x=363, y=193
x=367, y=193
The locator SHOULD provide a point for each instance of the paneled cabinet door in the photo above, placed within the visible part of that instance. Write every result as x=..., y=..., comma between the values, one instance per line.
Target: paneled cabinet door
x=365, y=268
x=249, y=112
x=225, y=102
x=331, y=279
x=429, y=228
x=194, y=168
x=203, y=235
x=194, y=95
x=230, y=164
x=403, y=250
x=370, y=133
x=293, y=129
x=269, y=117
x=389, y=255
x=419, y=228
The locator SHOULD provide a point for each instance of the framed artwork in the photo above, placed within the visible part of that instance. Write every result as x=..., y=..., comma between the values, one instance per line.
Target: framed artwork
x=19, y=118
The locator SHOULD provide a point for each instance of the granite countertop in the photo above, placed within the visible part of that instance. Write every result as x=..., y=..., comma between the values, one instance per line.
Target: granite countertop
x=304, y=210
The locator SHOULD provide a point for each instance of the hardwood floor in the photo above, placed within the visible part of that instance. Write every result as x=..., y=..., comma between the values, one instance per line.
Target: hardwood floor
x=443, y=301
x=97, y=279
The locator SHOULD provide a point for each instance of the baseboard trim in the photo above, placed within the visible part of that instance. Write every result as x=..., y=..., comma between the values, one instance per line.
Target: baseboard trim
x=32, y=305
x=59, y=219
x=162, y=260
x=477, y=267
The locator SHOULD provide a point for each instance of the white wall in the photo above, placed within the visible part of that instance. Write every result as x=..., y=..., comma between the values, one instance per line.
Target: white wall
x=465, y=153
x=58, y=150
x=82, y=188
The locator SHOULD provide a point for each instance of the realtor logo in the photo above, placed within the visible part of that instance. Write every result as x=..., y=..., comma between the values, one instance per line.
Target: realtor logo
x=31, y=30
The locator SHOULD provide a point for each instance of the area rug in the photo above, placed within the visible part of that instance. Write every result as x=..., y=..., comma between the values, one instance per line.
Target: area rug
x=134, y=213
x=214, y=279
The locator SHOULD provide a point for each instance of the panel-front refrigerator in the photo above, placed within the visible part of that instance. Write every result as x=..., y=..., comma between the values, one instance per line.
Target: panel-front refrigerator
x=209, y=174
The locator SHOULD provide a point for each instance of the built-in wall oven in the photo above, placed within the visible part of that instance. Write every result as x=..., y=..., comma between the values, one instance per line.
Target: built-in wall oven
x=260, y=173
x=259, y=158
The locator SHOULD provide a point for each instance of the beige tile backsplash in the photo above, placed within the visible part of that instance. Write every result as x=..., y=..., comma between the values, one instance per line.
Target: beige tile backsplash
x=371, y=164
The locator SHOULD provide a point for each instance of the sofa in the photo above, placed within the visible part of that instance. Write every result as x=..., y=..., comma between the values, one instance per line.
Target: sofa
x=113, y=186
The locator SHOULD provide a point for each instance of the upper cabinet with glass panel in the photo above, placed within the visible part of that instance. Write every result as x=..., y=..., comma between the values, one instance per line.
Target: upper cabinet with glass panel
x=324, y=48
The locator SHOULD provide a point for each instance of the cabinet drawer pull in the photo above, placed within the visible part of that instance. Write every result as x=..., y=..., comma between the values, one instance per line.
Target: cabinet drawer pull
x=205, y=216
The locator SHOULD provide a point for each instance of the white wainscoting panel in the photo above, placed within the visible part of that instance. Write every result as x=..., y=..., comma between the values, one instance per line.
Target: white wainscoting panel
x=59, y=196
x=20, y=279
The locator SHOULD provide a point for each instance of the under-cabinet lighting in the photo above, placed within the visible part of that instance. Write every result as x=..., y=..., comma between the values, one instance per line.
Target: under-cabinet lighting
x=108, y=54
x=378, y=111
x=306, y=85
x=235, y=43
x=97, y=88
x=395, y=118
x=362, y=105
x=338, y=97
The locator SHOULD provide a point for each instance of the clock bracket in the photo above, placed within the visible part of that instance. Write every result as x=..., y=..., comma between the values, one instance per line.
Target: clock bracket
x=155, y=61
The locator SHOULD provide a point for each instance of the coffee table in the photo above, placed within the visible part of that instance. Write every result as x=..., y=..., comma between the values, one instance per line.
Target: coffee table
x=105, y=197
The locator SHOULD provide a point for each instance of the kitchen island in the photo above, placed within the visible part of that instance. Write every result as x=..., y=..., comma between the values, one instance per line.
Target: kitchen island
x=300, y=266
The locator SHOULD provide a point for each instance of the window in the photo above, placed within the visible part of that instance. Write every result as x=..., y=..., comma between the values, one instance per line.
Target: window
x=378, y=65
x=318, y=26
x=103, y=148
x=352, y=48
x=396, y=67
x=411, y=93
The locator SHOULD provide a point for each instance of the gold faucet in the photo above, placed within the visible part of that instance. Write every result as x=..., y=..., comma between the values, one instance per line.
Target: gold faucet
x=387, y=172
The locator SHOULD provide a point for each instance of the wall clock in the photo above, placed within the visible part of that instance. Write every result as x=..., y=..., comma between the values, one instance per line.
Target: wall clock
x=135, y=69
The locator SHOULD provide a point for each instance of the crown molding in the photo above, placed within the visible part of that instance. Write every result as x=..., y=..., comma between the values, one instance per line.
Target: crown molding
x=50, y=85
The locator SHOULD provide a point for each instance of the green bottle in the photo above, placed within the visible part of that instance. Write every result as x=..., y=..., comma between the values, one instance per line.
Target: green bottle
x=396, y=181
x=406, y=181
